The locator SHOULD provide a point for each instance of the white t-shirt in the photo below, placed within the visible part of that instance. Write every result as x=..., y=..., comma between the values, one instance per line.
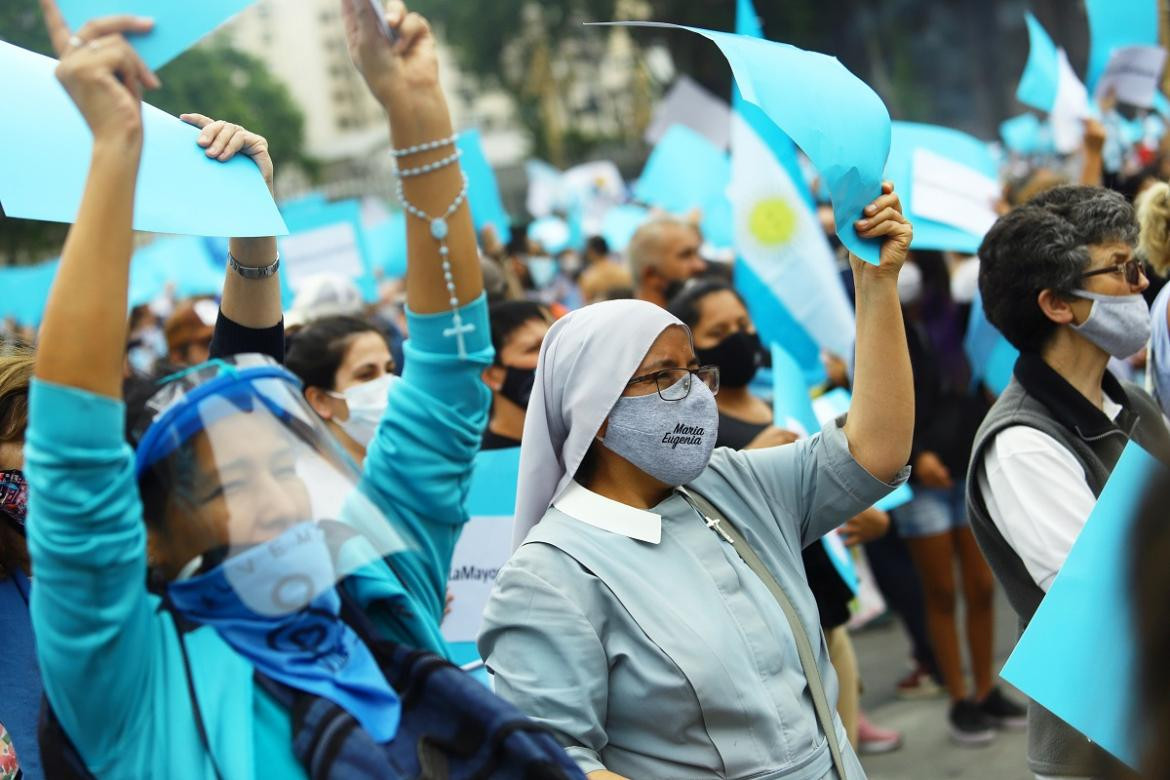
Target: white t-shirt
x=1038, y=496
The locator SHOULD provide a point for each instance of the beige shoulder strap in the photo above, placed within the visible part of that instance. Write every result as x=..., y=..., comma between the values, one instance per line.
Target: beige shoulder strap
x=717, y=522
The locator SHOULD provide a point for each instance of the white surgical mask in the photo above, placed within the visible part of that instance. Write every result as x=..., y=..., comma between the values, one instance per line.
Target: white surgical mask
x=1118, y=324
x=367, y=405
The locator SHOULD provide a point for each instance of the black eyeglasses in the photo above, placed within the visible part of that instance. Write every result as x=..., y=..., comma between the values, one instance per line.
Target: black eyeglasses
x=674, y=384
x=1132, y=268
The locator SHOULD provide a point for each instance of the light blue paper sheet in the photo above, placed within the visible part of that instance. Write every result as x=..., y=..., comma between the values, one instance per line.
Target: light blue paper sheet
x=839, y=122
x=1038, y=84
x=906, y=138
x=178, y=24
x=483, y=194
x=44, y=160
x=1117, y=23
x=1076, y=657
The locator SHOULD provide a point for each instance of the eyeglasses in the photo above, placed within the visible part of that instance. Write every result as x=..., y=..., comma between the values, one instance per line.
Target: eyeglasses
x=674, y=384
x=1132, y=268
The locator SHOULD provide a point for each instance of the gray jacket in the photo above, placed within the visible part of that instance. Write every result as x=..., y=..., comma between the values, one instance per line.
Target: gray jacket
x=1040, y=398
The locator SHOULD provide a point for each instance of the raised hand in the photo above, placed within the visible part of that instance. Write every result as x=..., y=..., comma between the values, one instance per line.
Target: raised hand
x=395, y=66
x=223, y=141
x=103, y=75
x=883, y=219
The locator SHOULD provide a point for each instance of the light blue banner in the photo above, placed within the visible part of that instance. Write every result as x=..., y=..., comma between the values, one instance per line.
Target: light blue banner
x=26, y=290
x=839, y=122
x=1077, y=656
x=909, y=137
x=305, y=244
x=386, y=242
x=180, y=262
x=483, y=193
x=1023, y=134
x=776, y=325
x=178, y=24
x=791, y=399
x=1117, y=23
x=620, y=224
x=44, y=160
x=684, y=171
x=991, y=356
x=1038, y=84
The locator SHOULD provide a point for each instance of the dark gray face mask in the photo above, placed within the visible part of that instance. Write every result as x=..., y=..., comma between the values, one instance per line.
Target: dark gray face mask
x=1118, y=324
x=669, y=440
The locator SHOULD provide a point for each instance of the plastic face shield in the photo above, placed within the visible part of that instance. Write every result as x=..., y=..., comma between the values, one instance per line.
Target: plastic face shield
x=253, y=482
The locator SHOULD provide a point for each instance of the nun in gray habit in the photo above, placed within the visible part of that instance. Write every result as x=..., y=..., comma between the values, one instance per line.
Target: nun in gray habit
x=655, y=613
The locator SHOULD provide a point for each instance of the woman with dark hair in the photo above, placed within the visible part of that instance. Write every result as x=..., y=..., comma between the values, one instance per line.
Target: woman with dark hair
x=934, y=524
x=347, y=372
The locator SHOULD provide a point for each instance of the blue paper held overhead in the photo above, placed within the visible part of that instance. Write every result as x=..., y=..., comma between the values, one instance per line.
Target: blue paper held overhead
x=178, y=24
x=483, y=194
x=44, y=160
x=839, y=122
x=1083, y=630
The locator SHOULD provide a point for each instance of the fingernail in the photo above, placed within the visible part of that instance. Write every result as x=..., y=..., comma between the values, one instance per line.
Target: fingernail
x=862, y=224
x=869, y=209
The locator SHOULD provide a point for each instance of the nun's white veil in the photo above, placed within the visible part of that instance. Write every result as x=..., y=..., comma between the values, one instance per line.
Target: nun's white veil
x=586, y=360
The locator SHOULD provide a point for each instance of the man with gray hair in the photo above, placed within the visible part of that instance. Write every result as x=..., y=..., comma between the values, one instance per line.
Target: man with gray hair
x=1059, y=279
x=664, y=254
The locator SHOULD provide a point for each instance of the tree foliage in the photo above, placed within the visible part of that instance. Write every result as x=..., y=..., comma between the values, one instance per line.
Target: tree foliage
x=213, y=79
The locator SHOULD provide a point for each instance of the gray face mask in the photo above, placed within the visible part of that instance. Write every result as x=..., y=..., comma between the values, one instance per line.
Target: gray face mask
x=1118, y=324
x=669, y=440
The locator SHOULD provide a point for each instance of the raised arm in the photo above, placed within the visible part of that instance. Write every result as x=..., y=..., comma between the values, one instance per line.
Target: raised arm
x=83, y=335
x=404, y=76
x=880, y=426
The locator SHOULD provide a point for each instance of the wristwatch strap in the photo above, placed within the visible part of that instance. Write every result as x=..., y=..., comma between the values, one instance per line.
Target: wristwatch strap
x=249, y=272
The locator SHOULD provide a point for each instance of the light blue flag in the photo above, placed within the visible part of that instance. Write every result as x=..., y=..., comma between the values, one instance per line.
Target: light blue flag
x=44, y=159
x=620, y=224
x=483, y=547
x=1077, y=656
x=1041, y=77
x=1117, y=23
x=26, y=290
x=684, y=171
x=483, y=194
x=991, y=356
x=326, y=239
x=181, y=262
x=1023, y=134
x=792, y=407
x=907, y=138
x=839, y=122
x=776, y=325
x=178, y=24
x=552, y=233
x=748, y=23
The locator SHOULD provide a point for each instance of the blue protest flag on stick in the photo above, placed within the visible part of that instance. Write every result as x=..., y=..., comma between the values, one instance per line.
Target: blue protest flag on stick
x=178, y=24
x=483, y=194
x=44, y=159
x=1077, y=656
x=684, y=171
x=1039, y=83
x=1114, y=24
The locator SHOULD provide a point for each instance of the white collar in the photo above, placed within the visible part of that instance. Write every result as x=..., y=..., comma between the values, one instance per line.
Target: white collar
x=596, y=510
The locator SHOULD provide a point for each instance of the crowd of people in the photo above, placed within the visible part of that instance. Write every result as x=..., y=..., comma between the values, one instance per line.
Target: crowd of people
x=226, y=530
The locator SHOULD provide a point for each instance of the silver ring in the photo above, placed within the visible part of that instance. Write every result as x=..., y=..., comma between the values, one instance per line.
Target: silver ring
x=75, y=42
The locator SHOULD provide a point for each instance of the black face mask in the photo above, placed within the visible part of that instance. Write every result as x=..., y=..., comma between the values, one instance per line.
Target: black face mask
x=739, y=357
x=517, y=386
x=673, y=288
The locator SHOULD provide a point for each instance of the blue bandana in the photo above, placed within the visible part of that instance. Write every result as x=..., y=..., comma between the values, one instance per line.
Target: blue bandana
x=275, y=605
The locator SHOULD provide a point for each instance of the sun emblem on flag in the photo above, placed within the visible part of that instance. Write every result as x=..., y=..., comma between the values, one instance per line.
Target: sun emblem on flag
x=772, y=221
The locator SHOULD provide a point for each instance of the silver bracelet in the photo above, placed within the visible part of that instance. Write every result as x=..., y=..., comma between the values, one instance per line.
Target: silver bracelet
x=428, y=146
x=251, y=272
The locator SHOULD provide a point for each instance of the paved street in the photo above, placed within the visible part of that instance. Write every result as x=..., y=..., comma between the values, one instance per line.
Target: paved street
x=928, y=751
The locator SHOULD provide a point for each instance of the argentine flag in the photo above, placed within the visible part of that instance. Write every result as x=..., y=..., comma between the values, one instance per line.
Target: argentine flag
x=777, y=236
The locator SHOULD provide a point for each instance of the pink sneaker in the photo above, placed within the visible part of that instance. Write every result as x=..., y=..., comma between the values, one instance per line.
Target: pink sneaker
x=872, y=740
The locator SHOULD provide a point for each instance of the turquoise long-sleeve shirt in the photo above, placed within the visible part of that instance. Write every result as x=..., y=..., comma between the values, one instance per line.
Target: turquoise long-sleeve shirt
x=110, y=656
